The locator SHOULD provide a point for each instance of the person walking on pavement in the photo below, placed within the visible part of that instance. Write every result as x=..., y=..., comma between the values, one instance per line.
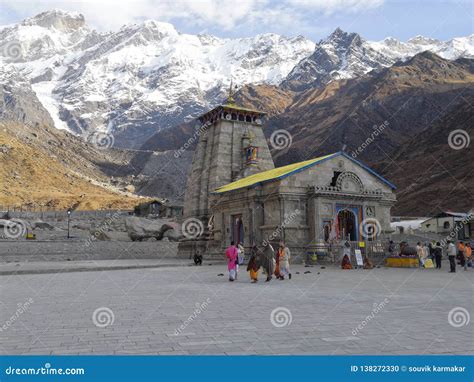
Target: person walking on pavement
x=231, y=254
x=284, y=260
x=467, y=255
x=452, y=256
x=267, y=260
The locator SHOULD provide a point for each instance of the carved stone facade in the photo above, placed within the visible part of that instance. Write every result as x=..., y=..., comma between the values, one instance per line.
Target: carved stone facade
x=305, y=209
x=231, y=146
x=326, y=200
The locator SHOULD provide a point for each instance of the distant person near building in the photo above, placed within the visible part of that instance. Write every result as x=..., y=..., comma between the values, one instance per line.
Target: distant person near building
x=438, y=254
x=452, y=256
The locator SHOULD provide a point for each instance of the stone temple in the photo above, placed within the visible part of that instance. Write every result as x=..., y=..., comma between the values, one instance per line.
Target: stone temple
x=234, y=192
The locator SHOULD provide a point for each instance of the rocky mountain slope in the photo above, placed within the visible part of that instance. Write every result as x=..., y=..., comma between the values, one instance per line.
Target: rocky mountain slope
x=375, y=118
x=139, y=79
x=44, y=167
x=148, y=77
x=432, y=175
x=345, y=55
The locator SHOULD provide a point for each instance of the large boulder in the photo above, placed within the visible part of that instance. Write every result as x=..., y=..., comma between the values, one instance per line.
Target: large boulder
x=141, y=229
x=172, y=231
x=43, y=225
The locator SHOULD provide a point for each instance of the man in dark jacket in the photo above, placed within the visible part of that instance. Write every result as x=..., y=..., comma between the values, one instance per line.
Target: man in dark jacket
x=438, y=253
x=266, y=259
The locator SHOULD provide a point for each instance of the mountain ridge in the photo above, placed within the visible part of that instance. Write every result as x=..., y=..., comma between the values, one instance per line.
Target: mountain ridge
x=149, y=77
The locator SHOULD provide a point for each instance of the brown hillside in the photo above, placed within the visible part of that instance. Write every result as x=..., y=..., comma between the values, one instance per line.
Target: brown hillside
x=40, y=169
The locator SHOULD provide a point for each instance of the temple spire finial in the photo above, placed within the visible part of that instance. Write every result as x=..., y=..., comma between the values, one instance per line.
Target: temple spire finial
x=230, y=97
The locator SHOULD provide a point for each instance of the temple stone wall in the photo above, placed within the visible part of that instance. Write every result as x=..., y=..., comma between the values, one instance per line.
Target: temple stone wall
x=292, y=210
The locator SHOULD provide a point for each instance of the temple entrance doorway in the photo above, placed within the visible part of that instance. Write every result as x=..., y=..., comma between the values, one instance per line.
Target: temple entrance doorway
x=347, y=225
x=237, y=229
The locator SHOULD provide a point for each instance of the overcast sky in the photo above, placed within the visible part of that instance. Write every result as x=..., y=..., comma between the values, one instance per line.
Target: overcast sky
x=315, y=19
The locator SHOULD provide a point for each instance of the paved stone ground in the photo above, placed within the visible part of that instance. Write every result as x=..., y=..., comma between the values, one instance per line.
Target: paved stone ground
x=34, y=267
x=151, y=310
x=77, y=250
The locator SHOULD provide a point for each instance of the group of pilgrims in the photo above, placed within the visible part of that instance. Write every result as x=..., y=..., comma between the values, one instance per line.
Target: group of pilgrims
x=273, y=263
x=277, y=263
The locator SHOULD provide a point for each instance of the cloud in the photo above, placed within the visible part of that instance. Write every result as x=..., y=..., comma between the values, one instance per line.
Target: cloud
x=216, y=14
x=112, y=14
x=331, y=6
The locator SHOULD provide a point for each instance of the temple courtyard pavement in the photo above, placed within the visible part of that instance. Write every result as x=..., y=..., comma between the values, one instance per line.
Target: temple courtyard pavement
x=195, y=310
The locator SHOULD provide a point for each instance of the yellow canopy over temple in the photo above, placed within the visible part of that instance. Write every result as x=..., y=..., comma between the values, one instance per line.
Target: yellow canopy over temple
x=269, y=175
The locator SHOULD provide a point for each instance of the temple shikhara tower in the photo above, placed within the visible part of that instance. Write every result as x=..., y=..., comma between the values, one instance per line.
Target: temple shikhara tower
x=231, y=146
x=235, y=193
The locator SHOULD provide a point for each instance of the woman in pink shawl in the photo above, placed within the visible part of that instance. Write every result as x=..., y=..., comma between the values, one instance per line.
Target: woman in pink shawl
x=231, y=254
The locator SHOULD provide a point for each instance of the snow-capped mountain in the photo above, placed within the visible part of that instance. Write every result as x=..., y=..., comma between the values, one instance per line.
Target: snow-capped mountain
x=347, y=55
x=141, y=78
x=451, y=50
x=148, y=76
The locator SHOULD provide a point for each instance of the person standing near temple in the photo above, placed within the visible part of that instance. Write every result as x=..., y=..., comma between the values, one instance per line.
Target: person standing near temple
x=240, y=258
x=467, y=255
x=277, y=264
x=267, y=260
x=284, y=260
x=426, y=252
x=461, y=253
x=391, y=248
x=438, y=254
x=231, y=254
x=419, y=253
x=254, y=263
x=452, y=256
